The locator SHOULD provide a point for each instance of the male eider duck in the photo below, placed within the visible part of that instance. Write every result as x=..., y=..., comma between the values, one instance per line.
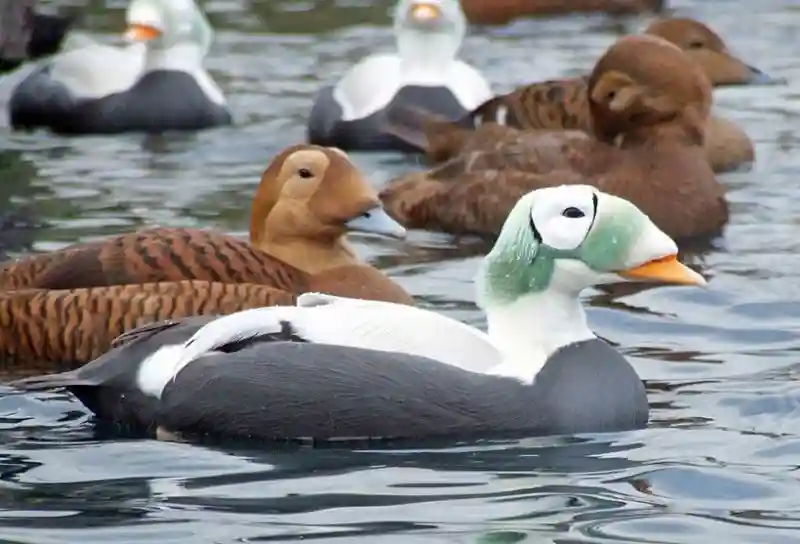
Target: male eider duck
x=423, y=72
x=332, y=368
x=154, y=85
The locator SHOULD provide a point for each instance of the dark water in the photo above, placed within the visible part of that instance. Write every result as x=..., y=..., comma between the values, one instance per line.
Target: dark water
x=718, y=463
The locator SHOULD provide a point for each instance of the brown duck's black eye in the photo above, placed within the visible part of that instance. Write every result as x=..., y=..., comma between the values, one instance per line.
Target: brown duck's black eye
x=611, y=95
x=573, y=213
x=305, y=173
x=696, y=45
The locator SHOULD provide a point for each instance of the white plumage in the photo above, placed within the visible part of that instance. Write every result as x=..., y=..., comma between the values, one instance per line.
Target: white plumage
x=327, y=319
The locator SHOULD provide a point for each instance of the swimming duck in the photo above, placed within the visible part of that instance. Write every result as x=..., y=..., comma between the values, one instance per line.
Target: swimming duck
x=564, y=104
x=67, y=306
x=648, y=103
x=309, y=198
x=336, y=369
x=424, y=71
x=498, y=12
x=28, y=35
x=154, y=85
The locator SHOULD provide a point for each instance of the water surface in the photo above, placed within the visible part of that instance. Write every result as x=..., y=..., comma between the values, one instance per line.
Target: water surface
x=718, y=462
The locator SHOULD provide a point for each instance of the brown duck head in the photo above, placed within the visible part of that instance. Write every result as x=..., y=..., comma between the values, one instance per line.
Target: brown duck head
x=309, y=198
x=644, y=87
x=708, y=49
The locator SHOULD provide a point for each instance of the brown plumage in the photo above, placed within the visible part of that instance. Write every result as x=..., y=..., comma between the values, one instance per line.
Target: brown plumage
x=67, y=306
x=649, y=104
x=563, y=103
x=297, y=230
x=71, y=327
x=64, y=328
x=502, y=11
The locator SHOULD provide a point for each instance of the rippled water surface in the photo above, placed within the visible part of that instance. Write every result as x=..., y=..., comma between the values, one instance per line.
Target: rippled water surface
x=717, y=464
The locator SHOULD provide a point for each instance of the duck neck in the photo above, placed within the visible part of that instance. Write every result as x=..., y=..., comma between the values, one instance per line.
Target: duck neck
x=426, y=56
x=528, y=330
x=686, y=130
x=181, y=57
x=311, y=255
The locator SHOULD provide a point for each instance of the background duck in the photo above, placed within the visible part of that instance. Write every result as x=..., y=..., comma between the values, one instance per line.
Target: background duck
x=424, y=71
x=27, y=35
x=155, y=85
x=181, y=377
x=564, y=104
x=649, y=104
x=502, y=11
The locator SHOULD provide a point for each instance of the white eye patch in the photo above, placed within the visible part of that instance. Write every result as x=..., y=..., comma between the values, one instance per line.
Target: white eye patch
x=563, y=215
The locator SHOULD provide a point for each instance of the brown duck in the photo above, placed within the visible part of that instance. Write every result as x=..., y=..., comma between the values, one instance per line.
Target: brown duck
x=649, y=105
x=308, y=199
x=502, y=11
x=563, y=104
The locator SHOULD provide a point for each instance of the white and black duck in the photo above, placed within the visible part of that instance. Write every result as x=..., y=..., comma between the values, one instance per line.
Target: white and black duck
x=424, y=72
x=335, y=368
x=155, y=84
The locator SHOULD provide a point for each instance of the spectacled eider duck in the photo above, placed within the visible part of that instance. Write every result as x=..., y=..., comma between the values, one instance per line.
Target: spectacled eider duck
x=423, y=72
x=156, y=84
x=333, y=368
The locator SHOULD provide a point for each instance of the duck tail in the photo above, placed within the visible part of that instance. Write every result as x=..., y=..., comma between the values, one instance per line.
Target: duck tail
x=50, y=381
x=413, y=125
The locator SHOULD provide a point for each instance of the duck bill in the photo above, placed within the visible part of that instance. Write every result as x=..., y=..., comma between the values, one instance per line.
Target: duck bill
x=376, y=221
x=666, y=270
x=757, y=77
x=425, y=12
x=139, y=32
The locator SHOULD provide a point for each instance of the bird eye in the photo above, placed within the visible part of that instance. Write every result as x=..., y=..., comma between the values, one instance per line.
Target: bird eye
x=696, y=45
x=573, y=213
x=305, y=173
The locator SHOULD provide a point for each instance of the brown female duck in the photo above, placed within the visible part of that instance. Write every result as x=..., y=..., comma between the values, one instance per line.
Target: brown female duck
x=502, y=11
x=67, y=306
x=309, y=198
x=649, y=105
x=563, y=103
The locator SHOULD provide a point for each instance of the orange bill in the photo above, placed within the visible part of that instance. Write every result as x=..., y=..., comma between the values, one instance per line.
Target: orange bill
x=141, y=32
x=423, y=11
x=667, y=270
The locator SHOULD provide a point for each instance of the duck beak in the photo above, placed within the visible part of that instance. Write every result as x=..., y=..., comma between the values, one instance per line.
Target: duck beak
x=377, y=221
x=667, y=270
x=140, y=32
x=757, y=77
x=425, y=12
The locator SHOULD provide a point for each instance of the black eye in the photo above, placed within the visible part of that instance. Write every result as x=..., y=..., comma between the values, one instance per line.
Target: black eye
x=696, y=45
x=611, y=95
x=305, y=173
x=573, y=213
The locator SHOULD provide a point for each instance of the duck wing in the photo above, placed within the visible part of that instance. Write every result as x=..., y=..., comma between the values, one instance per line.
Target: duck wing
x=327, y=319
x=153, y=255
x=70, y=327
x=466, y=203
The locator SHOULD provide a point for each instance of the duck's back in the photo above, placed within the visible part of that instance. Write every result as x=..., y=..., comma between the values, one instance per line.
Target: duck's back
x=154, y=255
x=158, y=101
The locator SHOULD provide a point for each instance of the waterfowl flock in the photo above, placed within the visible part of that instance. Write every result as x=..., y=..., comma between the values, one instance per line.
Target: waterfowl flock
x=192, y=334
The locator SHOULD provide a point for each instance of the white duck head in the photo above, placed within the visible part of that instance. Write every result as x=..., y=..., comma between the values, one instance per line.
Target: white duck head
x=176, y=33
x=429, y=32
x=555, y=243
